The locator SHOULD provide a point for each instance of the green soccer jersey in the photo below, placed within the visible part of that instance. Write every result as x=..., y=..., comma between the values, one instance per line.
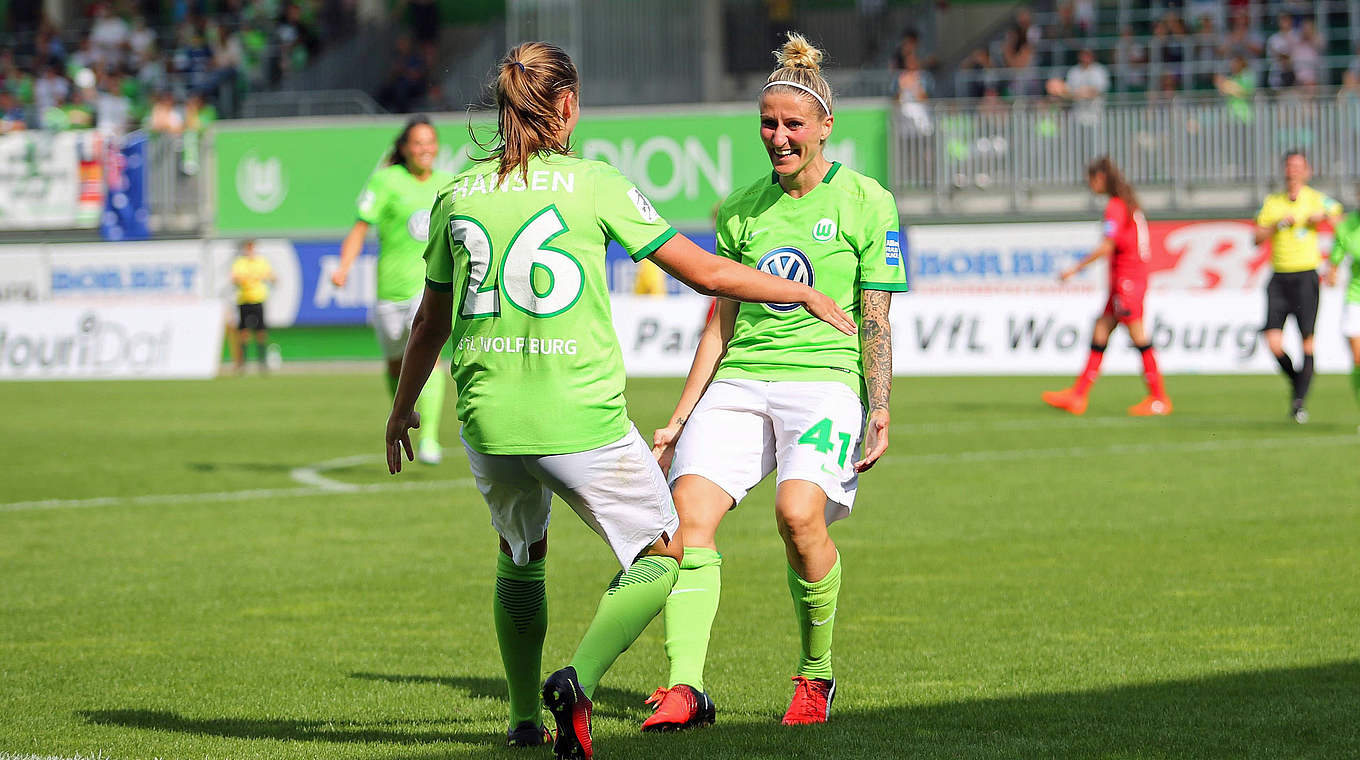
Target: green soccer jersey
x=535, y=356
x=399, y=204
x=840, y=238
x=1348, y=245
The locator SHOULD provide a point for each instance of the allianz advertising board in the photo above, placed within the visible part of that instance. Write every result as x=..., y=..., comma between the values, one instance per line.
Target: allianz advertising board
x=303, y=179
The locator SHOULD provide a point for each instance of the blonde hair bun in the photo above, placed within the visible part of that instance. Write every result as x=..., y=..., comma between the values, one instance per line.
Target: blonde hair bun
x=798, y=53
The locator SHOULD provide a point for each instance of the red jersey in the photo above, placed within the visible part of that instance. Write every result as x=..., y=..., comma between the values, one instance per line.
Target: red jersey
x=1129, y=232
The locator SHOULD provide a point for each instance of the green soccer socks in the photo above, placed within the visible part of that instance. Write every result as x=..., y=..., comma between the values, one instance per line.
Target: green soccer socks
x=1355, y=382
x=814, y=604
x=689, y=613
x=430, y=404
x=633, y=598
x=521, y=613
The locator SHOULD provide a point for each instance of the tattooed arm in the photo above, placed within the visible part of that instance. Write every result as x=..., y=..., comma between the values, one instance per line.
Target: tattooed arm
x=875, y=342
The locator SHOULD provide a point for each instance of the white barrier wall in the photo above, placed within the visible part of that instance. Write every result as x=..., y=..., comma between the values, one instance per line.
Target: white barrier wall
x=102, y=342
x=1001, y=334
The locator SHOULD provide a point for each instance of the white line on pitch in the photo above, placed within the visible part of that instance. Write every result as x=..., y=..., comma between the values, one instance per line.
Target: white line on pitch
x=1000, y=455
x=230, y=496
x=311, y=474
x=1032, y=423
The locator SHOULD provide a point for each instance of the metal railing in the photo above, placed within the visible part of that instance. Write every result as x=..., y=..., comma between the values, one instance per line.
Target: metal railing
x=960, y=156
x=176, y=166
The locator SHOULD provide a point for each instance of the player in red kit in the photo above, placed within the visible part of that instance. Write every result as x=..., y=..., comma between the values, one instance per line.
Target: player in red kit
x=1125, y=242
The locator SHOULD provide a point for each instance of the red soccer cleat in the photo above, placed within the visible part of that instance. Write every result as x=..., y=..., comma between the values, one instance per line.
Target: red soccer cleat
x=811, y=701
x=571, y=708
x=1067, y=399
x=679, y=707
x=1152, y=406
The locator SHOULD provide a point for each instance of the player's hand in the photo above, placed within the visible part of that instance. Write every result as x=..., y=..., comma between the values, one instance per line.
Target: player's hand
x=1067, y=274
x=1330, y=277
x=339, y=276
x=875, y=440
x=398, y=438
x=822, y=307
x=663, y=445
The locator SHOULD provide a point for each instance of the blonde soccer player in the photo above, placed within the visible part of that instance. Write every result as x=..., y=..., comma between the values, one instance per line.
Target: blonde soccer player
x=772, y=389
x=515, y=274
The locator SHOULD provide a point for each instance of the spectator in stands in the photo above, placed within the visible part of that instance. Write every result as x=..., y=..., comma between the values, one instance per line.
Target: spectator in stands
x=1018, y=53
x=1241, y=40
x=423, y=16
x=910, y=45
x=1238, y=88
x=1306, y=56
x=1280, y=49
x=1207, y=41
x=1064, y=31
x=1085, y=86
x=112, y=109
x=1169, y=43
x=165, y=117
x=108, y=34
x=978, y=74
x=408, y=83
x=141, y=42
x=50, y=90
x=913, y=89
x=48, y=47
x=1131, y=62
x=1025, y=28
x=13, y=118
x=1168, y=87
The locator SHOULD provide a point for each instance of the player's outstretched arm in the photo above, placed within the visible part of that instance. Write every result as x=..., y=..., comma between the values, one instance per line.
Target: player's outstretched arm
x=429, y=332
x=712, y=348
x=875, y=341
x=350, y=248
x=717, y=276
x=1105, y=248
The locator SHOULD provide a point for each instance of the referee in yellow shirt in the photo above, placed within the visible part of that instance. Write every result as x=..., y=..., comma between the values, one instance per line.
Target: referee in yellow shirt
x=1289, y=220
x=252, y=275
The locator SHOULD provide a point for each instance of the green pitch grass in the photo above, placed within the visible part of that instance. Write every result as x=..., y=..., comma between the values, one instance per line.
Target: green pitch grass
x=206, y=570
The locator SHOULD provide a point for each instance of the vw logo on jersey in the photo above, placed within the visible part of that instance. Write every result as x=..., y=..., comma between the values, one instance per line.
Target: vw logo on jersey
x=418, y=225
x=791, y=264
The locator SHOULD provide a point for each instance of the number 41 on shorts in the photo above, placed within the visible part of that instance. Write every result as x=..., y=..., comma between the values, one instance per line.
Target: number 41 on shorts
x=819, y=437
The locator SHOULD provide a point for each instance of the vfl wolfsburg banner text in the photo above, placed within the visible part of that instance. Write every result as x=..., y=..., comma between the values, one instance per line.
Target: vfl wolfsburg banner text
x=303, y=179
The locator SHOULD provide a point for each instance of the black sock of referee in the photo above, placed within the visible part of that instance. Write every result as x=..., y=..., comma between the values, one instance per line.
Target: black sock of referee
x=1305, y=379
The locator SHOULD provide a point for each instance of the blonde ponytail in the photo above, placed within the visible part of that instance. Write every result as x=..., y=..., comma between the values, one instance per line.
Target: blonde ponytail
x=799, y=73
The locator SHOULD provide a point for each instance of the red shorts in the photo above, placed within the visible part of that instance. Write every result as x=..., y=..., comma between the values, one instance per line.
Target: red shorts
x=1126, y=300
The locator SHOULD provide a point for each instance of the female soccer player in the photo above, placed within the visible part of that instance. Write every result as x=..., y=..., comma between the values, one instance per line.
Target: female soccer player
x=1347, y=245
x=1125, y=243
x=516, y=272
x=398, y=199
x=772, y=389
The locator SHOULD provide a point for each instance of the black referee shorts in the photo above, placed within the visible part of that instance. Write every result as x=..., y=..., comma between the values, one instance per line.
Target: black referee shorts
x=1293, y=293
x=252, y=316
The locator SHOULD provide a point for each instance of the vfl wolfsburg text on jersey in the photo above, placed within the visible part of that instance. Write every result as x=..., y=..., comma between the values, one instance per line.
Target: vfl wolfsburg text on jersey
x=536, y=358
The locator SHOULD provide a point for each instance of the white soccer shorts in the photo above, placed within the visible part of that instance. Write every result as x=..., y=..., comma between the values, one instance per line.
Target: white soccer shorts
x=741, y=430
x=392, y=321
x=1350, y=320
x=617, y=489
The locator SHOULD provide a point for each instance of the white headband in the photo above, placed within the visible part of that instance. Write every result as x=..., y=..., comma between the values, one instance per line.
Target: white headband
x=802, y=87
